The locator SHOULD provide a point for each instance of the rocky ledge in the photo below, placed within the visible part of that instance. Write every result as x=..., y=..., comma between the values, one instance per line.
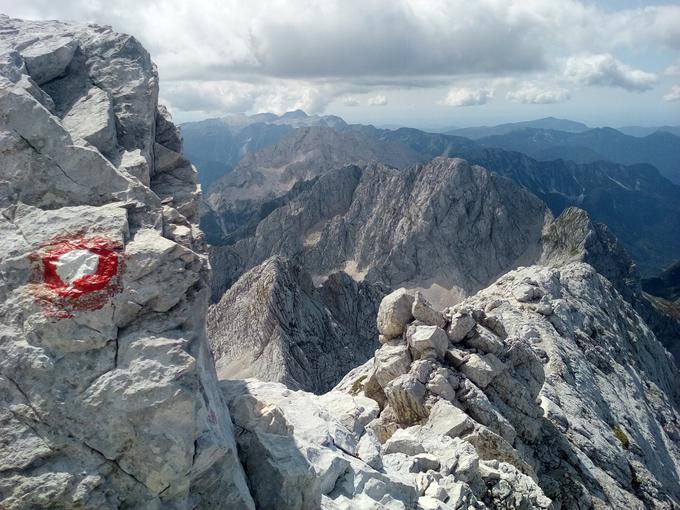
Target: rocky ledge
x=108, y=392
x=545, y=390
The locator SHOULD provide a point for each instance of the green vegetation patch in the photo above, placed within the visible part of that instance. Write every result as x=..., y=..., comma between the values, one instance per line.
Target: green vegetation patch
x=621, y=436
x=357, y=385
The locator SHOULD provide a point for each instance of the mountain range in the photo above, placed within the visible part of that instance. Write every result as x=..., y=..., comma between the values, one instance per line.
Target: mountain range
x=660, y=149
x=420, y=332
x=641, y=207
x=217, y=145
x=553, y=123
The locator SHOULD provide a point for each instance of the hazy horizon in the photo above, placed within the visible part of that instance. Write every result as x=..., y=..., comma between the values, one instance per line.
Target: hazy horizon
x=427, y=64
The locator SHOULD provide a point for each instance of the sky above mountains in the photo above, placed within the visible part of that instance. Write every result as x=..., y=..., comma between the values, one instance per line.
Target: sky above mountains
x=422, y=63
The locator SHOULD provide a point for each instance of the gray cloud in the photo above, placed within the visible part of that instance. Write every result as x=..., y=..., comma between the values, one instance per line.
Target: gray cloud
x=532, y=93
x=606, y=71
x=307, y=53
x=673, y=94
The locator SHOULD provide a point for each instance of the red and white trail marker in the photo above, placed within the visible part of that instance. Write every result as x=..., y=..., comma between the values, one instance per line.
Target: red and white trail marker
x=78, y=274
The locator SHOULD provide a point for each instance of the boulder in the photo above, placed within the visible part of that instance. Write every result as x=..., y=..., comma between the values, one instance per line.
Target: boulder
x=427, y=341
x=481, y=370
x=461, y=324
x=91, y=119
x=406, y=396
x=441, y=383
x=446, y=419
x=422, y=311
x=407, y=441
x=391, y=360
x=48, y=57
x=395, y=313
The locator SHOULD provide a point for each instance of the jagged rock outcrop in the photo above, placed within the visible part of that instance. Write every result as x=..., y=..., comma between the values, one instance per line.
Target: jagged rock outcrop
x=301, y=451
x=574, y=237
x=274, y=324
x=558, y=396
x=108, y=393
x=216, y=146
x=448, y=228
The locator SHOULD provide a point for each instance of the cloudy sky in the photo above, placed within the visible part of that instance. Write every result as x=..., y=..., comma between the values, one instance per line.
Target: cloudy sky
x=423, y=63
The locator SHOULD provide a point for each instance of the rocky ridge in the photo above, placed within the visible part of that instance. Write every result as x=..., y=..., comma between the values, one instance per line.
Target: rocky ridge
x=423, y=227
x=574, y=237
x=545, y=390
x=447, y=229
x=108, y=392
x=639, y=205
x=275, y=325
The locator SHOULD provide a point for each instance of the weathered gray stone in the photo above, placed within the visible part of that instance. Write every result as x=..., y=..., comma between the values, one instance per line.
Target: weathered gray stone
x=422, y=311
x=274, y=324
x=395, y=313
x=48, y=57
x=439, y=384
x=481, y=370
x=427, y=341
x=391, y=360
x=108, y=394
x=406, y=396
x=406, y=441
x=91, y=119
x=447, y=420
x=461, y=324
x=424, y=462
x=297, y=448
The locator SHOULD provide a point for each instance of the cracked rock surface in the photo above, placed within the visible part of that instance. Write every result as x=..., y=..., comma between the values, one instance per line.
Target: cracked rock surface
x=108, y=393
x=275, y=325
x=576, y=408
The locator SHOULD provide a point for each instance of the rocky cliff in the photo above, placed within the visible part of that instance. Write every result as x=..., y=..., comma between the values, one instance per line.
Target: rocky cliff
x=573, y=237
x=545, y=390
x=447, y=227
x=108, y=393
x=275, y=325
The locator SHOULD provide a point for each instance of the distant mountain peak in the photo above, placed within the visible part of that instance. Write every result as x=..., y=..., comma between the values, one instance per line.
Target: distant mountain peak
x=294, y=114
x=569, y=126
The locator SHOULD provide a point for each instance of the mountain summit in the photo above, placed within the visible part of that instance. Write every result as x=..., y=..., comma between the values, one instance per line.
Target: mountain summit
x=486, y=355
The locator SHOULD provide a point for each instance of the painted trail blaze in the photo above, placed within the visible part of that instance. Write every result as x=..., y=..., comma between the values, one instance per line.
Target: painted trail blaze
x=78, y=274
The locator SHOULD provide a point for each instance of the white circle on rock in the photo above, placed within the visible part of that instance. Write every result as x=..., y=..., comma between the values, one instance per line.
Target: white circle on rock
x=73, y=265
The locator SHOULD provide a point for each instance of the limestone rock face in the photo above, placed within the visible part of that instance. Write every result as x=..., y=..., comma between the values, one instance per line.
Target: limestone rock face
x=108, y=393
x=302, y=451
x=574, y=237
x=447, y=228
x=274, y=324
x=576, y=408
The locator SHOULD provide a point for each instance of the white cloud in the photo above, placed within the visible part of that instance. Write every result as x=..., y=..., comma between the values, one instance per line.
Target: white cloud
x=605, y=70
x=351, y=102
x=673, y=94
x=234, y=97
x=532, y=93
x=468, y=96
x=673, y=69
x=378, y=100
x=339, y=47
